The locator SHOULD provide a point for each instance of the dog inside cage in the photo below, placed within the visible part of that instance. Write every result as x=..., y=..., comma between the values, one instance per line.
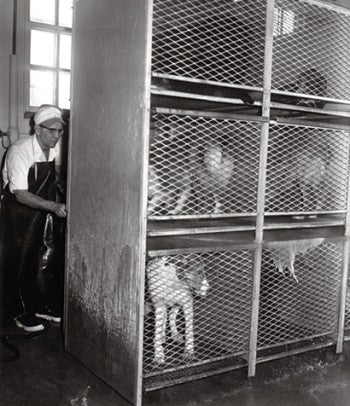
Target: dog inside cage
x=309, y=82
x=202, y=179
x=306, y=170
x=292, y=311
x=197, y=309
x=171, y=170
x=199, y=166
x=172, y=284
x=310, y=171
x=178, y=168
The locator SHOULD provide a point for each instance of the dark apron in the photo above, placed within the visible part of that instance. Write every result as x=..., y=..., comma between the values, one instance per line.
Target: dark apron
x=28, y=282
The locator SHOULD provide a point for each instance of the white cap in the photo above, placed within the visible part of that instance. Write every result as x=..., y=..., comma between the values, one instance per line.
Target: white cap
x=48, y=114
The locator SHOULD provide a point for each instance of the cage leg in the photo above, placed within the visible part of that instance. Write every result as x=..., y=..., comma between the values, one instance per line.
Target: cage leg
x=342, y=308
x=255, y=312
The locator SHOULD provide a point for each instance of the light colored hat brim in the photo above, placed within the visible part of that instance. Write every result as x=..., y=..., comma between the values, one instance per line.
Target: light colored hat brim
x=51, y=121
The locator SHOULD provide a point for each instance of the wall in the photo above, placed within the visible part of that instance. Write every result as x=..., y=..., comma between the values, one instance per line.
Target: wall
x=6, y=17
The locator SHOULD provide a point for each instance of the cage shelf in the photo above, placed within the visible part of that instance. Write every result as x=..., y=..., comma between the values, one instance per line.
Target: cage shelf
x=290, y=222
x=204, y=226
x=289, y=349
x=283, y=234
x=155, y=382
x=187, y=101
x=179, y=227
x=166, y=245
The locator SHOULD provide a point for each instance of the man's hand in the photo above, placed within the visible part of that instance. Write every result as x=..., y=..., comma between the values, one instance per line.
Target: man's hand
x=60, y=210
x=31, y=200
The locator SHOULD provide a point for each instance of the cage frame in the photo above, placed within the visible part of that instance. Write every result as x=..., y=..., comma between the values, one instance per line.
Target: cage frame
x=180, y=236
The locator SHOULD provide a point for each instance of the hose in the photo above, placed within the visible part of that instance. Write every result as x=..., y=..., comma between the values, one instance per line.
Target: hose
x=9, y=352
x=3, y=136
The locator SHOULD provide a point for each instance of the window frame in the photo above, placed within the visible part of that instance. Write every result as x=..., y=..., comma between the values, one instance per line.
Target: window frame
x=53, y=28
x=283, y=16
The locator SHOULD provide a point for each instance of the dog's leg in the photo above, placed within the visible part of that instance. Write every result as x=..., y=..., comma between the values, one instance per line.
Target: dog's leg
x=189, y=339
x=181, y=201
x=159, y=334
x=155, y=203
x=175, y=335
x=218, y=205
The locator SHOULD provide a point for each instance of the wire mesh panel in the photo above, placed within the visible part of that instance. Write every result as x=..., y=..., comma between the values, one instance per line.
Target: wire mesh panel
x=198, y=309
x=220, y=41
x=307, y=169
x=293, y=311
x=202, y=166
x=311, y=48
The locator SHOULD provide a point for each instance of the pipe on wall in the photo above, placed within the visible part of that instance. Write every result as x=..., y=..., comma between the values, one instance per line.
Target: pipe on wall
x=13, y=130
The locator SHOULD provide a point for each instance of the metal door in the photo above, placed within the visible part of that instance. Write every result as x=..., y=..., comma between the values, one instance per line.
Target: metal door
x=107, y=192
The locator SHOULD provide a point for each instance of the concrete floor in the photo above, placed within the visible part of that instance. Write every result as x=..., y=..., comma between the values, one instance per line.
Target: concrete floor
x=46, y=375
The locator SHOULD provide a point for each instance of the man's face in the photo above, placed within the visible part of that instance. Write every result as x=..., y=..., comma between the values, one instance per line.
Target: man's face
x=48, y=136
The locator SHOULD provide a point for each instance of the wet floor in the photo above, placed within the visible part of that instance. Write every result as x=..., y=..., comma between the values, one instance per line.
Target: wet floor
x=46, y=375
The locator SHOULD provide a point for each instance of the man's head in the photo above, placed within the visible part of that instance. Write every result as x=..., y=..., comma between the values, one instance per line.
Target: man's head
x=48, y=125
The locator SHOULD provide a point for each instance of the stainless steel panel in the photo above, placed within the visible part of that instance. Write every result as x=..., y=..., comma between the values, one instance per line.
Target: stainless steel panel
x=107, y=182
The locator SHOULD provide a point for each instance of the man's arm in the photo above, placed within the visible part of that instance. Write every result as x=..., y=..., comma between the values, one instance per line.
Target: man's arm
x=30, y=199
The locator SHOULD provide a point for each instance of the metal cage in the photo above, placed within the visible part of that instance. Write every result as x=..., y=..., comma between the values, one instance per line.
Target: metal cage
x=310, y=49
x=307, y=170
x=206, y=40
x=202, y=166
x=292, y=311
x=221, y=317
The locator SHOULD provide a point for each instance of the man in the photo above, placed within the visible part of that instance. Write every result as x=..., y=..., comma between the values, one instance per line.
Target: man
x=28, y=176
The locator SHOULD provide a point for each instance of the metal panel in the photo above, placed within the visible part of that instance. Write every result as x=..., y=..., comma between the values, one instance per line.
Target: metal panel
x=220, y=41
x=202, y=166
x=107, y=184
x=221, y=317
x=307, y=170
x=292, y=311
x=311, y=49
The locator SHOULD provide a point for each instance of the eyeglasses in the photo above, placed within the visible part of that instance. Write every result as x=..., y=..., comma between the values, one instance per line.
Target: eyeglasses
x=53, y=131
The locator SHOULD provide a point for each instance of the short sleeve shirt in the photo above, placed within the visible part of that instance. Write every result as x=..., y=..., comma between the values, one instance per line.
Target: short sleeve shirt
x=19, y=158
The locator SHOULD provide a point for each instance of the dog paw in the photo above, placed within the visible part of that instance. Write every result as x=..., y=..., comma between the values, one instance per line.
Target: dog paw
x=158, y=361
x=188, y=356
x=177, y=338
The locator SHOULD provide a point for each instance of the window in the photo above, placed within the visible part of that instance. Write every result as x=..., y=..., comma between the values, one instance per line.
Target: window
x=283, y=21
x=49, y=59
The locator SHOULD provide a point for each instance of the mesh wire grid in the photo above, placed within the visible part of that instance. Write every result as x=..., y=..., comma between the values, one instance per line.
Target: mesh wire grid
x=307, y=169
x=202, y=167
x=221, y=318
x=221, y=41
x=310, y=49
x=291, y=310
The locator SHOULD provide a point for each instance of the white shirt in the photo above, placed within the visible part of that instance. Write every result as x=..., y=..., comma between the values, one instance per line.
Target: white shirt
x=20, y=157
